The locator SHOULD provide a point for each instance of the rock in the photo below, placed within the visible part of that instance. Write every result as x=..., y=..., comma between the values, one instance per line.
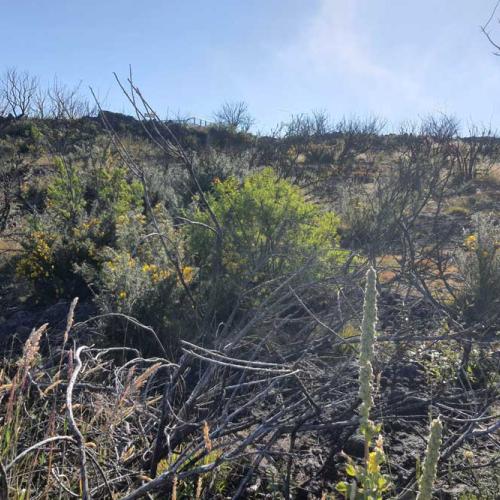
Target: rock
x=355, y=446
x=413, y=405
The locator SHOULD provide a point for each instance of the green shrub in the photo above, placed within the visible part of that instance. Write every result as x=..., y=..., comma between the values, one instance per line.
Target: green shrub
x=269, y=230
x=138, y=279
x=81, y=216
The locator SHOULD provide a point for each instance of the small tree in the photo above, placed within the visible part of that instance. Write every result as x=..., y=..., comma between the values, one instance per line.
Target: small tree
x=234, y=115
x=18, y=90
x=41, y=103
x=481, y=149
x=67, y=103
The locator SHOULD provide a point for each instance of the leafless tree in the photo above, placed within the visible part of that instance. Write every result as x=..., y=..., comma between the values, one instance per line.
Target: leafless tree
x=67, y=103
x=317, y=123
x=441, y=128
x=396, y=196
x=330, y=150
x=40, y=103
x=480, y=149
x=18, y=90
x=234, y=115
x=321, y=121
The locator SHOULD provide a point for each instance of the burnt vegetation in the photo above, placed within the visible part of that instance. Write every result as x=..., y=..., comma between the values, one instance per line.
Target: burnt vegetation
x=184, y=311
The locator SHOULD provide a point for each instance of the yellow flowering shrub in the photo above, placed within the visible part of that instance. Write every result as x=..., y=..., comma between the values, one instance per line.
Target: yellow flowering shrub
x=38, y=262
x=83, y=212
x=188, y=273
x=138, y=279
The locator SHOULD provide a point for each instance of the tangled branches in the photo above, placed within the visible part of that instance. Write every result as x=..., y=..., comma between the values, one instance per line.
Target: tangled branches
x=203, y=426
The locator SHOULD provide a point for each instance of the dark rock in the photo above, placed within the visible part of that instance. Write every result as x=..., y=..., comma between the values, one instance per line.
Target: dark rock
x=355, y=446
x=410, y=371
x=413, y=405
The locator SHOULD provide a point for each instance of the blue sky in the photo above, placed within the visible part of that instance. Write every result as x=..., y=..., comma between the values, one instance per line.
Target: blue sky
x=399, y=59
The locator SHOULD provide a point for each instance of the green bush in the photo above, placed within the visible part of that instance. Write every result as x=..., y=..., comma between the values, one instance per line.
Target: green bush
x=269, y=230
x=80, y=219
x=137, y=278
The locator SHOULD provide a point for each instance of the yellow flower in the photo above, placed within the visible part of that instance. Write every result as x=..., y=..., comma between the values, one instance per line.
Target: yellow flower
x=373, y=463
x=158, y=274
x=471, y=242
x=188, y=273
x=122, y=219
x=140, y=218
x=122, y=295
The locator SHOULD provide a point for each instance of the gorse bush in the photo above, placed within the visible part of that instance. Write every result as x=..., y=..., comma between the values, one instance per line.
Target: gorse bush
x=81, y=217
x=137, y=278
x=269, y=230
x=93, y=238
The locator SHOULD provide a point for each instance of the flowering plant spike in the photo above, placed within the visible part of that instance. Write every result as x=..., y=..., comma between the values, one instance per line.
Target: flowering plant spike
x=429, y=467
x=367, y=340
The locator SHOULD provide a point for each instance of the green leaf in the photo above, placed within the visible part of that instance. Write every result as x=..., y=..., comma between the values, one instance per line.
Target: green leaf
x=341, y=487
x=382, y=483
x=350, y=470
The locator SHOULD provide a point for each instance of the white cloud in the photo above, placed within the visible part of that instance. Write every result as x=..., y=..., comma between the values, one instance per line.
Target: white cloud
x=335, y=45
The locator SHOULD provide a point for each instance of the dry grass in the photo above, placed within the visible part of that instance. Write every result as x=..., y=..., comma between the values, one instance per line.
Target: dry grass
x=110, y=421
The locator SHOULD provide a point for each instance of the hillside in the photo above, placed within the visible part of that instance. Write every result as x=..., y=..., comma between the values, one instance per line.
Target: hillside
x=201, y=312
